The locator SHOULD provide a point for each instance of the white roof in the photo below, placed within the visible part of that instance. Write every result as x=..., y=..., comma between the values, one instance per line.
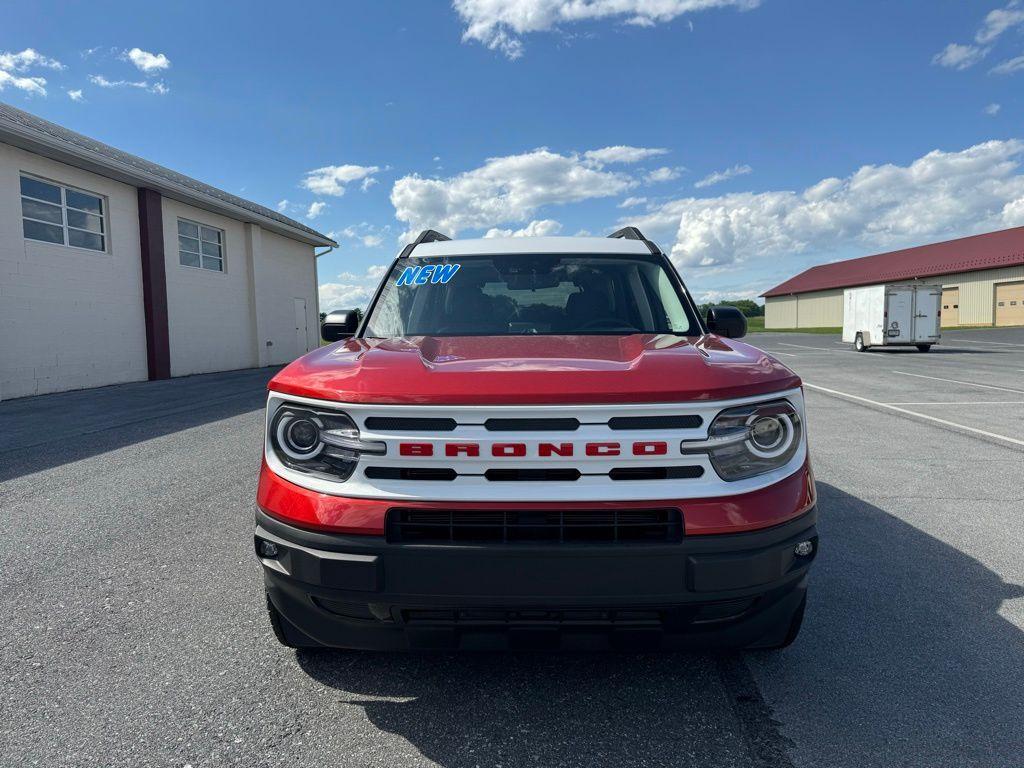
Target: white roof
x=495, y=245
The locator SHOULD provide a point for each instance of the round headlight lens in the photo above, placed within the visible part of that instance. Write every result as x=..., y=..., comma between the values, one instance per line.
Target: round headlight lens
x=299, y=436
x=770, y=435
x=302, y=434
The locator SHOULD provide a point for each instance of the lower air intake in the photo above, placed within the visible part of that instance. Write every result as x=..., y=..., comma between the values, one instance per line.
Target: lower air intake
x=623, y=526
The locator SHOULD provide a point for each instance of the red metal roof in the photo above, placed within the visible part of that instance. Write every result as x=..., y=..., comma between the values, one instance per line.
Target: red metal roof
x=967, y=254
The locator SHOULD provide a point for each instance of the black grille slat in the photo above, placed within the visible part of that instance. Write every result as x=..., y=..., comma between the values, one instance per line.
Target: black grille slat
x=411, y=424
x=656, y=473
x=628, y=526
x=532, y=425
x=410, y=473
x=532, y=475
x=691, y=421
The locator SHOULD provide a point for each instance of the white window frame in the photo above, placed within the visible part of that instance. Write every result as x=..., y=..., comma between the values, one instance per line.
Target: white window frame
x=64, y=188
x=223, y=247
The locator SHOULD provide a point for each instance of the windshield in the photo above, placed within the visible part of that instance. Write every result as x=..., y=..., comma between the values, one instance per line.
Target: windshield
x=532, y=294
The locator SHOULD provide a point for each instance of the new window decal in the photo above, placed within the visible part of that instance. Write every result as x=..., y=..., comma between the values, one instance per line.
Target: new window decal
x=430, y=273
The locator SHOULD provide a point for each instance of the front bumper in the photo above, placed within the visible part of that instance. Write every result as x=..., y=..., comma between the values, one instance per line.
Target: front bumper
x=360, y=591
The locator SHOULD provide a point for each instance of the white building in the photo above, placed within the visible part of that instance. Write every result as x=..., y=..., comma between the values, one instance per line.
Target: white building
x=114, y=269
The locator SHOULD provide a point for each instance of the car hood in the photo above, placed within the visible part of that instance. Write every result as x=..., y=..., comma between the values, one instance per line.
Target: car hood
x=507, y=370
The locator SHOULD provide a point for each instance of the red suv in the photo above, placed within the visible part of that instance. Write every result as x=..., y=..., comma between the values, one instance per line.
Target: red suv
x=535, y=442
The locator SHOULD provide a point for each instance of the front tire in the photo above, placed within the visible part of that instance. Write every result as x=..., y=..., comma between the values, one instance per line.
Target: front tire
x=858, y=343
x=923, y=347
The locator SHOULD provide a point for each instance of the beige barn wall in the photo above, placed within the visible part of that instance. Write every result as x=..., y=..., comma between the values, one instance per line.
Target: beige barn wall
x=780, y=312
x=818, y=309
x=977, y=292
x=824, y=309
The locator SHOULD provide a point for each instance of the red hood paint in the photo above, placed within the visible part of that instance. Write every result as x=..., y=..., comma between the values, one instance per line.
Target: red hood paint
x=512, y=370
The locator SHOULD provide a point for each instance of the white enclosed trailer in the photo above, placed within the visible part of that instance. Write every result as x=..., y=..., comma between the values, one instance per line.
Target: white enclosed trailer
x=902, y=314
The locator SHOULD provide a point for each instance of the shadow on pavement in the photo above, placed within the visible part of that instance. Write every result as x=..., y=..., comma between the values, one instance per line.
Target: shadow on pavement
x=553, y=709
x=936, y=350
x=40, y=432
x=904, y=660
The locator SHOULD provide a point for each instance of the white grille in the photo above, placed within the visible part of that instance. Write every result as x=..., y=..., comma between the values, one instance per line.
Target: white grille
x=594, y=483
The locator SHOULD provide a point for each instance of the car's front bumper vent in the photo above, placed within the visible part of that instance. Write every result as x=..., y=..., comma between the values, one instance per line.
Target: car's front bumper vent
x=612, y=526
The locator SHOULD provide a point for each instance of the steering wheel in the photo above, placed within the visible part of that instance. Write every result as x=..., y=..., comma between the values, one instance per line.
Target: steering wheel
x=606, y=322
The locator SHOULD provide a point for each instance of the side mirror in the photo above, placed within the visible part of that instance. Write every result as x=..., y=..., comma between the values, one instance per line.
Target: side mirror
x=339, y=324
x=727, y=321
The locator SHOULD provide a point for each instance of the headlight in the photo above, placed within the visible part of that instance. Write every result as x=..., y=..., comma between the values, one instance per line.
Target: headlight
x=751, y=439
x=318, y=442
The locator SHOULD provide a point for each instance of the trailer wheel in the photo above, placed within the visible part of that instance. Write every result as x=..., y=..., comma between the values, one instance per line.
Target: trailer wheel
x=923, y=347
x=858, y=343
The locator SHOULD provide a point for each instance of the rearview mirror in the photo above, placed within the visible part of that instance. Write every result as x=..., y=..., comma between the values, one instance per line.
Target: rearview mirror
x=727, y=321
x=339, y=324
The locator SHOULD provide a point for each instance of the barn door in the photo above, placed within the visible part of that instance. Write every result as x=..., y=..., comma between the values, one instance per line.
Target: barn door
x=301, y=328
x=1010, y=304
x=950, y=307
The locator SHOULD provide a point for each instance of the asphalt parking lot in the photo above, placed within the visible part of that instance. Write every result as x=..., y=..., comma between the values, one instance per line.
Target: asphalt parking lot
x=136, y=634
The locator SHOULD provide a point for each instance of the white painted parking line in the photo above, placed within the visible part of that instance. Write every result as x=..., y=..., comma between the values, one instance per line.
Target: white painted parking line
x=978, y=402
x=924, y=416
x=955, y=340
x=826, y=350
x=958, y=381
x=804, y=346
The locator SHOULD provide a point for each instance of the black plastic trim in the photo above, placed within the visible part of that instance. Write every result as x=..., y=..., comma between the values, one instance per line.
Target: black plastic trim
x=655, y=422
x=410, y=423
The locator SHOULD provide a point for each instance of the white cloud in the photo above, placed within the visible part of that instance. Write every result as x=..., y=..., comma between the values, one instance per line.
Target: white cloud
x=33, y=85
x=957, y=56
x=144, y=61
x=503, y=190
x=630, y=202
x=663, y=174
x=76, y=95
x=282, y=205
x=364, y=232
x=315, y=210
x=995, y=23
x=14, y=65
x=938, y=196
x=368, y=182
x=719, y=176
x=993, y=109
x=331, y=179
x=157, y=87
x=715, y=296
x=23, y=60
x=622, y=154
x=351, y=290
x=1009, y=66
x=541, y=228
x=499, y=24
x=1000, y=20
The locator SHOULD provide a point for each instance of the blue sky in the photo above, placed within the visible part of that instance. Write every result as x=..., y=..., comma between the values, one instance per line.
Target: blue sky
x=750, y=138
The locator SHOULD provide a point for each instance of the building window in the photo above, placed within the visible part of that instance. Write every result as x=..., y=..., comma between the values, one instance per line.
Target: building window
x=52, y=213
x=200, y=246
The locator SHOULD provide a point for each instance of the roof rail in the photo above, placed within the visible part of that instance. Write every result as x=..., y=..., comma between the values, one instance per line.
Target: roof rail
x=632, y=233
x=426, y=236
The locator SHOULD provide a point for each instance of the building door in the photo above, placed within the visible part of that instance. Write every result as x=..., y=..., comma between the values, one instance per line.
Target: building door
x=1010, y=304
x=950, y=307
x=301, y=328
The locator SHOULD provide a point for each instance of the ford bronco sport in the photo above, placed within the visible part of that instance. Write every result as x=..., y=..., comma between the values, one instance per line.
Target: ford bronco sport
x=535, y=442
